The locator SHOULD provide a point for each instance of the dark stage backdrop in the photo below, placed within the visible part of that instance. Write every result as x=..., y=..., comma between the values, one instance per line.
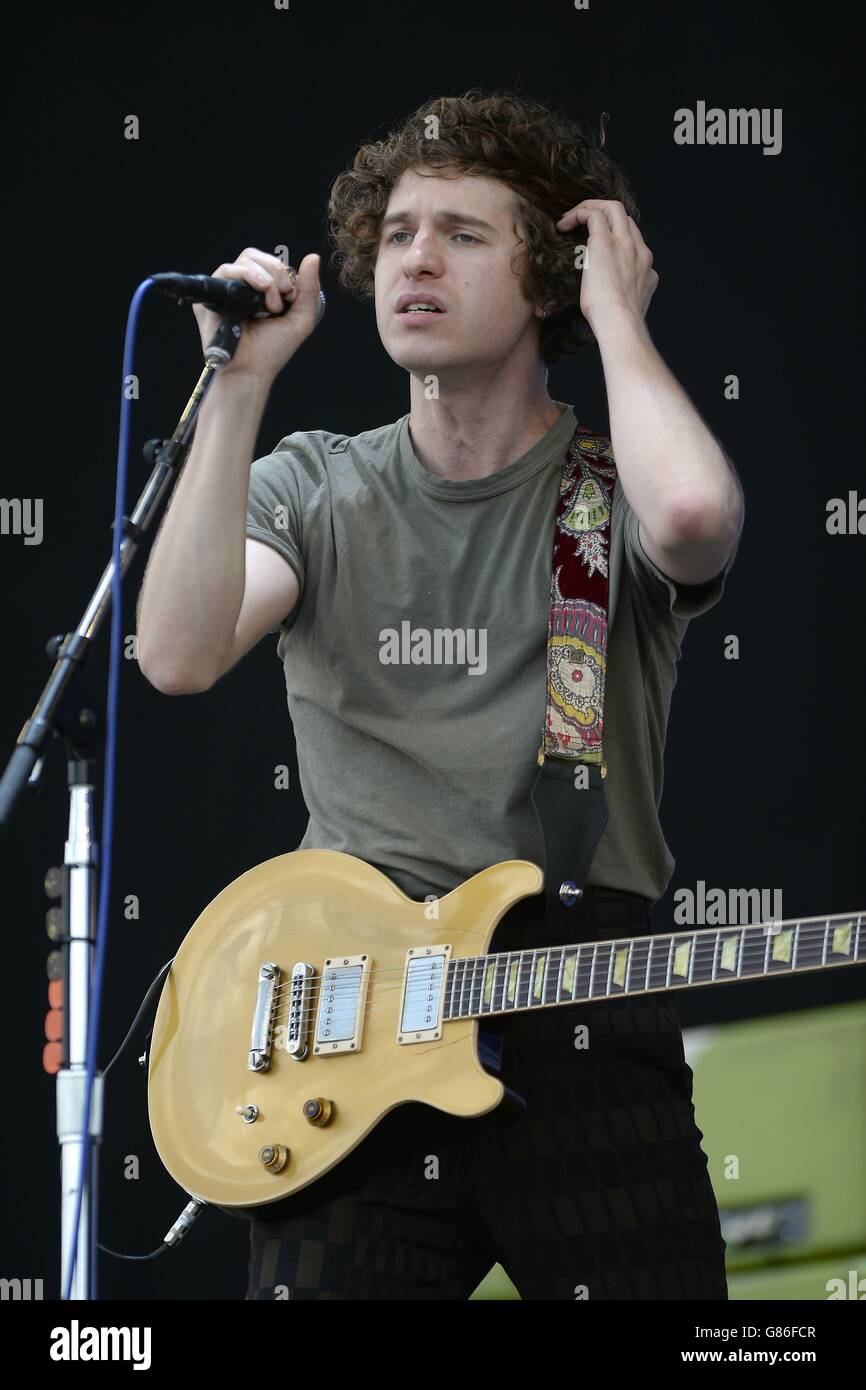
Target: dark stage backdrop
x=247, y=112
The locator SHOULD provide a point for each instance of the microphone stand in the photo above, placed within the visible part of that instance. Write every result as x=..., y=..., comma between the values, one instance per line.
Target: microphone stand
x=62, y=712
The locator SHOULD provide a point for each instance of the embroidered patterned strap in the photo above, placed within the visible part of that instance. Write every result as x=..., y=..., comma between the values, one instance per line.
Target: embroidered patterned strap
x=577, y=630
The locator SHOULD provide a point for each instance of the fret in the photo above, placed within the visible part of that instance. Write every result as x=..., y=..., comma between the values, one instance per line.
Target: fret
x=557, y=988
x=519, y=979
x=753, y=952
x=781, y=953
x=539, y=976
x=487, y=985
x=452, y=982
x=498, y=982
x=535, y=993
x=512, y=977
x=609, y=970
x=504, y=961
x=796, y=945
x=635, y=964
x=703, y=971
x=656, y=975
x=582, y=970
x=466, y=988
x=842, y=942
x=570, y=958
x=649, y=963
x=459, y=983
x=810, y=948
x=716, y=945
x=475, y=986
x=472, y=972
x=599, y=970
x=679, y=961
x=623, y=965
x=769, y=936
x=542, y=975
x=461, y=965
x=552, y=965
x=592, y=967
x=826, y=939
x=740, y=954
x=525, y=979
x=692, y=954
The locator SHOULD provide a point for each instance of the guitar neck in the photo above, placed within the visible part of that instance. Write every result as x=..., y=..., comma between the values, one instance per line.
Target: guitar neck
x=543, y=976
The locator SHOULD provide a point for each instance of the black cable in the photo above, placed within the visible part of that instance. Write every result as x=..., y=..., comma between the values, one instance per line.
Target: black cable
x=144, y=1003
x=152, y=1256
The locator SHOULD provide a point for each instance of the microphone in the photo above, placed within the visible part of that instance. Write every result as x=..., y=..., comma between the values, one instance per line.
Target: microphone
x=233, y=296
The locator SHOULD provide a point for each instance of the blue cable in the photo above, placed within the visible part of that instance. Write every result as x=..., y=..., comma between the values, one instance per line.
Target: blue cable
x=108, y=803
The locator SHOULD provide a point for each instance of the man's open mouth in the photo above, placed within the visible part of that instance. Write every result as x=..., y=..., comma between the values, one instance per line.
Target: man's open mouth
x=424, y=304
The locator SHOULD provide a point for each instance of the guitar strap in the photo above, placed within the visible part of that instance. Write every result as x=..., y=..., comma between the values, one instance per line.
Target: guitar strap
x=568, y=793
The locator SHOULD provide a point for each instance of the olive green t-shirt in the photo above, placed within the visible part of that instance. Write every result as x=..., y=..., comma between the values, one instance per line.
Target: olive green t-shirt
x=417, y=751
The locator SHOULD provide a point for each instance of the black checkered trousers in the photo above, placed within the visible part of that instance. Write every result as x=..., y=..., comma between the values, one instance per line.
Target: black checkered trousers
x=598, y=1188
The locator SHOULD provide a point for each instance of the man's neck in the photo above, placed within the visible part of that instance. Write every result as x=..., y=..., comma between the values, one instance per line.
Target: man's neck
x=476, y=432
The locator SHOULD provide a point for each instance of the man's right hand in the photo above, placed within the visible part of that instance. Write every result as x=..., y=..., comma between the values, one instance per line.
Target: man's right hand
x=266, y=345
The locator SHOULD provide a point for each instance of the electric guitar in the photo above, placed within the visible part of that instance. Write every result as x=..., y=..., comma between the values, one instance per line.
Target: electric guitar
x=312, y=996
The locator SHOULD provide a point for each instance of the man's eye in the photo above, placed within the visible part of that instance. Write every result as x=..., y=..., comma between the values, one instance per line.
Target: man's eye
x=395, y=234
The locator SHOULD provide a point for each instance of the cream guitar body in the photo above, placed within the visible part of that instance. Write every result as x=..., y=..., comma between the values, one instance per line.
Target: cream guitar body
x=311, y=997
x=373, y=954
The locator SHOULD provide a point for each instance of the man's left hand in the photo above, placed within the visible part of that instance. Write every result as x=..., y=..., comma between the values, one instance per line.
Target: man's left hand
x=617, y=271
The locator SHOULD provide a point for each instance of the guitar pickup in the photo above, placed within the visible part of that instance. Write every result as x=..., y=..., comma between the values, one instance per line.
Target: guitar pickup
x=342, y=1003
x=422, y=1006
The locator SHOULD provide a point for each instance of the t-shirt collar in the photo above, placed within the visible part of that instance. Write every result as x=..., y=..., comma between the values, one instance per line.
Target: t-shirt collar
x=552, y=445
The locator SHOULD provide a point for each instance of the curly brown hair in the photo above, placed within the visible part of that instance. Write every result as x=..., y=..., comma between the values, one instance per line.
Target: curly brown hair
x=549, y=161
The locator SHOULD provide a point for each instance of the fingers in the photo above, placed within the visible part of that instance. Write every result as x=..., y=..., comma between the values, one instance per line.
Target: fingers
x=264, y=272
x=608, y=215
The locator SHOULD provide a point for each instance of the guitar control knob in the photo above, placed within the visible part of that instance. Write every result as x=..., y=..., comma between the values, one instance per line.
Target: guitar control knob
x=318, y=1111
x=274, y=1157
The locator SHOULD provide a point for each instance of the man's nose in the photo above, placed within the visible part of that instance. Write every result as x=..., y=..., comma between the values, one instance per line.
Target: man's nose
x=422, y=254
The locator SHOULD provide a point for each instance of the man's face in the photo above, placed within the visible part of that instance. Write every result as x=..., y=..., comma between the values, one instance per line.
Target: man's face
x=455, y=238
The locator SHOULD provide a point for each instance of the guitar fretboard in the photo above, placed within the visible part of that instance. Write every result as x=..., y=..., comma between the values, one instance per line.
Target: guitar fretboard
x=545, y=975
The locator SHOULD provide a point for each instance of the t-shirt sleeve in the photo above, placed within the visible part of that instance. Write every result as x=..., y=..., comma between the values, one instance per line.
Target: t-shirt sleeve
x=683, y=600
x=275, y=512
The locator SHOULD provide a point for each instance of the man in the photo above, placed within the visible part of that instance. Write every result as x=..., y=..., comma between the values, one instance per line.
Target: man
x=443, y=519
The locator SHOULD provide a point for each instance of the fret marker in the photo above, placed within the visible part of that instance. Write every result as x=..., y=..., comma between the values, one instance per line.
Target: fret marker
x=512, y=979
x=619, y=968
x=729, y=953
x=782, y=946
x=489, y=973
x=568, y=974
x=842, y=939
x=681, y=959
x=539, y=978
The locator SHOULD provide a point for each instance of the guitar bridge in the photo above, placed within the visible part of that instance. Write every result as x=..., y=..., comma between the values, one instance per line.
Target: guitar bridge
x=299, y=1011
